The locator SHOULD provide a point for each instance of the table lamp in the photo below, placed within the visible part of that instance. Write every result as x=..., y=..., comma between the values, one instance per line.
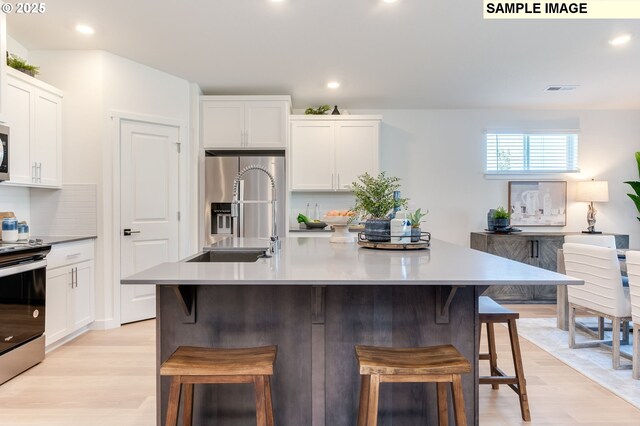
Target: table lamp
x=592, y=191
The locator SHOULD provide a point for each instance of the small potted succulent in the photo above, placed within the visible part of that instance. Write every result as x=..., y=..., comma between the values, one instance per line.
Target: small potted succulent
x=416, y=218
x=375, y=200
x=501, y=218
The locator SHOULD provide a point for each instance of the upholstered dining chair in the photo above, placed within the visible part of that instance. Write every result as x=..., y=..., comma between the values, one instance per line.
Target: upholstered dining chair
x=633, y=271
x=592, y=240
x=601, y=295
x=600, y=241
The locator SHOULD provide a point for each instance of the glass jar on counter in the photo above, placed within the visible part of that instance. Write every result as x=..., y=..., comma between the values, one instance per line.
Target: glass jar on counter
x=9, y=230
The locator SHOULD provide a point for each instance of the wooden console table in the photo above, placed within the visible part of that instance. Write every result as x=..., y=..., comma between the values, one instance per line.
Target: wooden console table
x=533, y=248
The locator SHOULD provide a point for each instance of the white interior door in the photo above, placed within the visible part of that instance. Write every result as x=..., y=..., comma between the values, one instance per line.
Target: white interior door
x=149, y=209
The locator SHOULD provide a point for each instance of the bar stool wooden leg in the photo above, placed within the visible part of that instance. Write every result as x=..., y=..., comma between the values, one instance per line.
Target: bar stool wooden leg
x=187, y=405
x=261, y=400
x=372, y=403
x=364, y=400
x=458, y=400
x=517, y=363
x=493, y=354
x=270, y=421
x=443, y=409
x=174, y=402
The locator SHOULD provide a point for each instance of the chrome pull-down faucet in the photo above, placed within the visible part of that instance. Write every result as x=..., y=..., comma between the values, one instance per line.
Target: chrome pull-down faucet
x=274, y=242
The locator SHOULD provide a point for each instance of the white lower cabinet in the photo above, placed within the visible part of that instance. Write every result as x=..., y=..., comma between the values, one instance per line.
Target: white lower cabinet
x=70, y=289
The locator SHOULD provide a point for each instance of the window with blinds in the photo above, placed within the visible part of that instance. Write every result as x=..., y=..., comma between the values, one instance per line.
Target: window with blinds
x=520, y=153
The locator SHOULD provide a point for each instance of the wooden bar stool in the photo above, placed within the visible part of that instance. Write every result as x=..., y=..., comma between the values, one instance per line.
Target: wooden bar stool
x=439, y=364
x=189, y=365
x=490, y=313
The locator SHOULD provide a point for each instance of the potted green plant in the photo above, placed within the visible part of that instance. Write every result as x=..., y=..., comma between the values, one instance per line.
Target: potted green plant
x=635, y=185
x=501, y=218
x=416, y=218
x=374, y=200
x=321, y=110
x=14, y=61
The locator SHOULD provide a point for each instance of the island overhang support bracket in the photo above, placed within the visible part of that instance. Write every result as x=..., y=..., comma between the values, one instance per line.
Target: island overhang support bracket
x=186, y=296
x=442, y=304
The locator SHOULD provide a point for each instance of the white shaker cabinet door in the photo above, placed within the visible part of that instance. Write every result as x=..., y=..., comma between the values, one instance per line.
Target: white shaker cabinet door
x=265, y=124
x=82, y=295
x=222, y=124
x=312, y=156
x=356, y=146
x=48, y=138
x=58, y=305
x=20, y=117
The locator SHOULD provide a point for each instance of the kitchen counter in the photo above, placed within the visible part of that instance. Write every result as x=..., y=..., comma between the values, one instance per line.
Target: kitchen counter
x=63, y=239
x=313, y=261
x=316, y=301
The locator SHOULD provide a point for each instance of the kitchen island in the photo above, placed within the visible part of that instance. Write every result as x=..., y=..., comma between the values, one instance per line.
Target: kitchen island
x=316, y=301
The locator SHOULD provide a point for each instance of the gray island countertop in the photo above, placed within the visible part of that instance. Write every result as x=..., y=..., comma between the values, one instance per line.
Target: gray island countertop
x=316, y=261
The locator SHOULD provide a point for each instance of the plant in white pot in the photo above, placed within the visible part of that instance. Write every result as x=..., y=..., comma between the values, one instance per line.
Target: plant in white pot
x=374, y=200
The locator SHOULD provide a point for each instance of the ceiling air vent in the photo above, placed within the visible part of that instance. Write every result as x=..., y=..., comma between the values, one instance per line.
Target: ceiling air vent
x=560, y=88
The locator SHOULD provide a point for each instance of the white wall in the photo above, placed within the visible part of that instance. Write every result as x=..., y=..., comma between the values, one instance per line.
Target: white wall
x=439, y=155
x=97, y=84
x=15, y=47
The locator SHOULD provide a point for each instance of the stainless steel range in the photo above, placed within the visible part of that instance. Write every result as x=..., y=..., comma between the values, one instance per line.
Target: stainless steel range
x=22, y=307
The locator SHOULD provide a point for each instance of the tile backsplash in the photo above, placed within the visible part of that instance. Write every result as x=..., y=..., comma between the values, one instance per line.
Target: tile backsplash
x=15, y=199
x=71, y=210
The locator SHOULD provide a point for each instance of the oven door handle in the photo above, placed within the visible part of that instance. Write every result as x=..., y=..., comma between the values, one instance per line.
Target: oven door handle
x=22, y=267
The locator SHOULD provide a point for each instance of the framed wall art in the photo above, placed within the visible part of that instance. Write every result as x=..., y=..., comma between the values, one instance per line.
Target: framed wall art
x=538, y=203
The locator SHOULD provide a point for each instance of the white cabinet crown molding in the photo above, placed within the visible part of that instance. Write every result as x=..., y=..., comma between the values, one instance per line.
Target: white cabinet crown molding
x=34, y=82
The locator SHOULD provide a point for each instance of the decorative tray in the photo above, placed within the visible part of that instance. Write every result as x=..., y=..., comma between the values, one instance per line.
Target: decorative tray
x=395, y=246
x=423, y=243
x=312, y=225
x=504, y=231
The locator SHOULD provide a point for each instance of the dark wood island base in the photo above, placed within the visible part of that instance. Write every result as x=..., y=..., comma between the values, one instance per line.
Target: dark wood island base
x=316, y=380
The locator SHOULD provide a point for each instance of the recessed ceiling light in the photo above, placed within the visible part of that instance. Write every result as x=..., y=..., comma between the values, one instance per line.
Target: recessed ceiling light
x=84, y=29
x=277, y=1
x=389, y=1
x=620, y=40
x=333, y=85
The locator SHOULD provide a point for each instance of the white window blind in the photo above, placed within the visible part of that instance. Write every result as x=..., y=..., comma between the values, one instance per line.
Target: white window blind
x=521, y=153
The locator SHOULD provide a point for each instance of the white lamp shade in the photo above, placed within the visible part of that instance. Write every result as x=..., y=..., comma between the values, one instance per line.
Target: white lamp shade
x=593, y=190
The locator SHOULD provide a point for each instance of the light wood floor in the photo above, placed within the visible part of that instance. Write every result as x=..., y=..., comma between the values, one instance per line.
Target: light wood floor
x=106, y=378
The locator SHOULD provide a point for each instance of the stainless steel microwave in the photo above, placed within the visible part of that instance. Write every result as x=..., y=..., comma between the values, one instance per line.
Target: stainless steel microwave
x=4, y=153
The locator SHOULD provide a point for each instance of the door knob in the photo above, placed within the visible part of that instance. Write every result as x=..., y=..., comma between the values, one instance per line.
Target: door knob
x=128, y=232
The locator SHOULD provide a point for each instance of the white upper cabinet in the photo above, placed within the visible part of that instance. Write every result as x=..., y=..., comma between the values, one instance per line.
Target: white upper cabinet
x=3, y=64
x=244, y=121
x=34, y=115
x=328, y=153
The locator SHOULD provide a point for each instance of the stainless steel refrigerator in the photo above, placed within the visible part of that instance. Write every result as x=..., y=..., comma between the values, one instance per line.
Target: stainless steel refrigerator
x=255, y=215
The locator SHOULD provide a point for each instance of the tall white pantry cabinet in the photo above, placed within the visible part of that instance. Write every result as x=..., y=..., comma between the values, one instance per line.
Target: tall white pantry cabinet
x=328, y=153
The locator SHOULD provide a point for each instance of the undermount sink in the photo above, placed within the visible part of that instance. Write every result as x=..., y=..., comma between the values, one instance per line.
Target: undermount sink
x=228, y=256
